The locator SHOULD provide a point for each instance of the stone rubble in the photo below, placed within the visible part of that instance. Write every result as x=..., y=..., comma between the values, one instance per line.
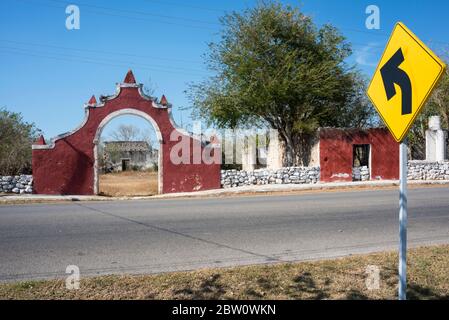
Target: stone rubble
x=417, y=170
x=16, y=184
x=360, y=173
x=288, y=175
x=428, y=170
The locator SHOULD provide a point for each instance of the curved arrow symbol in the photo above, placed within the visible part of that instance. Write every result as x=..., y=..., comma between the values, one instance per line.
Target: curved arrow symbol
x=391, y=74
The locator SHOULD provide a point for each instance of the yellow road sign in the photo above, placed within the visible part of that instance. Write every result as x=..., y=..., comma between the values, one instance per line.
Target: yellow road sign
x=406, y=75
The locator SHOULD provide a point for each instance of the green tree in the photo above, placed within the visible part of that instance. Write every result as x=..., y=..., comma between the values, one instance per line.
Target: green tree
x=274, y=67
x=437, y=105
x=16, y=138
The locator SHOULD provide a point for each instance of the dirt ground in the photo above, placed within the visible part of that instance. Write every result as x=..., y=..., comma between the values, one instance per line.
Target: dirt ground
x=129, y=183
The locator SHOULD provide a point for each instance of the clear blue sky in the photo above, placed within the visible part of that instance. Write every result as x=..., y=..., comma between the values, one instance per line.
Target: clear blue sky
x=49, y=72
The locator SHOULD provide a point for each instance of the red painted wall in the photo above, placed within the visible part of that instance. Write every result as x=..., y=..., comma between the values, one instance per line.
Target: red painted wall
x=68, y=168
x=336, y=152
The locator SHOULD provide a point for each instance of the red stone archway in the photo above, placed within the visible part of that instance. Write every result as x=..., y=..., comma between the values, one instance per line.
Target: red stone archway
x=68, y=164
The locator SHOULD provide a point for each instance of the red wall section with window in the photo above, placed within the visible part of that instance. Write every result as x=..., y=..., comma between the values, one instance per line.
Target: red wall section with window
x=336, y=153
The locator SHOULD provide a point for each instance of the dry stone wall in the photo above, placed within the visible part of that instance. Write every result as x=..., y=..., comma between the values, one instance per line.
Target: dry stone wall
x=428, y=170
x=360, y=173
x=16, y=184
x=289, y=175
x=417, y=170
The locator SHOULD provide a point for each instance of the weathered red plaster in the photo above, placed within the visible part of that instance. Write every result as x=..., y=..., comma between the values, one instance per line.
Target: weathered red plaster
x=92, y=101
x=40, y=141
x=130, y=77
x=336, y=152
x=68, y=168
x=164, y=101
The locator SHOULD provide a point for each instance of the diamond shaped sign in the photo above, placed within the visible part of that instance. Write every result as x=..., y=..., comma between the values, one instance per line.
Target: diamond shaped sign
x=406, y=75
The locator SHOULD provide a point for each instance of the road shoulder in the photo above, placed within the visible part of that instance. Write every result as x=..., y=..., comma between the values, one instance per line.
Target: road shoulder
x=230, y=192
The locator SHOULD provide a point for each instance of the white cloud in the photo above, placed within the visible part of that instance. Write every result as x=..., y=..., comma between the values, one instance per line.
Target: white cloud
x=366, y=55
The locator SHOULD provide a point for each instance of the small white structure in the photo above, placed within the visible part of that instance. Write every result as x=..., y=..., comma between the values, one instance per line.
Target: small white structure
x=275, y=152
x=127, y=155
x=436, y=140
x=249, y=154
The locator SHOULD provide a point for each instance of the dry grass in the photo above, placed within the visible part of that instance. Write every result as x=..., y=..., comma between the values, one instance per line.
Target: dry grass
x=345, y=278
x=129, y=183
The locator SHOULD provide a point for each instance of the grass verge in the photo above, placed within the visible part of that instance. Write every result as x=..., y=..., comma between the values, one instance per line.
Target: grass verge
x=344, y=278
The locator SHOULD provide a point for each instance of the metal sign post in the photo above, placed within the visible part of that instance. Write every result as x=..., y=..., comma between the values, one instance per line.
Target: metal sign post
x=403, y=219
x=409, y=65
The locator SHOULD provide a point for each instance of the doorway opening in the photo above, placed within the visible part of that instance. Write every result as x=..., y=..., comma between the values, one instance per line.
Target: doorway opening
x=361, y=158
x=125, y=164
x=128, y=156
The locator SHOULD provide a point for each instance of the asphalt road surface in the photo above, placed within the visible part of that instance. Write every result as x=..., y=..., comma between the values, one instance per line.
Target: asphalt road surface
x=41, y=240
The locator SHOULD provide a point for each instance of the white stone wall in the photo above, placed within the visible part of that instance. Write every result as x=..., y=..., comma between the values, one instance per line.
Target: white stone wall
x=360, y=173
x=275, y=152
x=289, y=175
x=428, y=170
x=16, y=184
x=417, y=170
x=249, y=154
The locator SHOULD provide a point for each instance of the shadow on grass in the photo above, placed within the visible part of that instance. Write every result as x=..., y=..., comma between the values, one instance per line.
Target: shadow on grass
x=305, y=284
x=209, y=288
x=414, y=291
x=417, y=292
x=302, y=286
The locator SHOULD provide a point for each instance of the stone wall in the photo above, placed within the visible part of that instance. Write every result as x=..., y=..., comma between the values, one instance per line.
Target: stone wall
x=417, y=170
x=428, y=170
x=289, y=175
x=16, y=184
x=360, y=173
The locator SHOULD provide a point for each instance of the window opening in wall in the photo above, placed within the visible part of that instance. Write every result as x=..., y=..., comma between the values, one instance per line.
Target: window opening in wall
x=360, y=162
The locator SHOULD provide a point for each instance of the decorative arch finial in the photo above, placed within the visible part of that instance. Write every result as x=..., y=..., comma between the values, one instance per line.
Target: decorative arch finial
x=40, y=141
x=92, y=102
x=130, y=78
x=164, y=101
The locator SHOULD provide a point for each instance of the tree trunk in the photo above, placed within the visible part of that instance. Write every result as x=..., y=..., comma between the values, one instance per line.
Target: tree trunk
x=445, y=120
x=289, y=159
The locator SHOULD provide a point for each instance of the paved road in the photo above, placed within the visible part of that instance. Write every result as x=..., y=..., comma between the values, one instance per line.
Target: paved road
x=39, y=241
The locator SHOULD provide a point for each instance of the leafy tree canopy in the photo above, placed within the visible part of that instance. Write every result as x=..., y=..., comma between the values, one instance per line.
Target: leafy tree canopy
x=16, y=138
x=437, y=105
x=273, y=66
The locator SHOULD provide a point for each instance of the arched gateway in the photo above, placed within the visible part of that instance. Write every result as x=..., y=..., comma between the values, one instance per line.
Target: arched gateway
x=69, y=164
